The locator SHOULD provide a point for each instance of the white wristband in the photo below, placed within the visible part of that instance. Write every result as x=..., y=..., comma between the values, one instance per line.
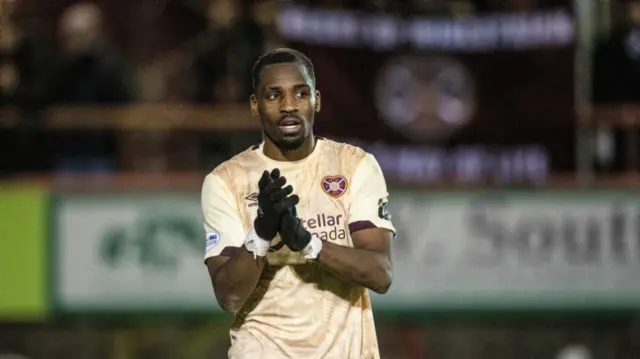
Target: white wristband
x=256, y=245
x=312, y=250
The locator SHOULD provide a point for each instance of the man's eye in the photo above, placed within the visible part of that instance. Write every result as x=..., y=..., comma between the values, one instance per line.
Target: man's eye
x=303, y=94
x=272, y=96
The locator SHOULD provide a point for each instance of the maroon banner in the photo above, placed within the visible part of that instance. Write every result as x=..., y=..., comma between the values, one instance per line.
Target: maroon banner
x=484, y=99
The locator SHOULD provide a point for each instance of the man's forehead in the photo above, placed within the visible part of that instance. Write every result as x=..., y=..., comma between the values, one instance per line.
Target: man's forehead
x=284, y=73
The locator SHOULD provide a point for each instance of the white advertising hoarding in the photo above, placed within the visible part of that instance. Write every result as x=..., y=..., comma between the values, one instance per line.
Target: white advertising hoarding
x=536, y=249
x=130, y=252
x=530, y=249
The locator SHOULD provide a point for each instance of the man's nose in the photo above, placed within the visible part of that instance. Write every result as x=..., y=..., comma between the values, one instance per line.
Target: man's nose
x=288, y=103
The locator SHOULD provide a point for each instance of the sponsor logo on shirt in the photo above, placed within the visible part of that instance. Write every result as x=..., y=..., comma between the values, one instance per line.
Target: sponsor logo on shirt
x=326, y=226
x=334, y=186
x=383, y=209
x=252, y=199
x=212, y=240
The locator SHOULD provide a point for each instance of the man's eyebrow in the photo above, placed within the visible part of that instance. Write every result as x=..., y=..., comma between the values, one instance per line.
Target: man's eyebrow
x=276, y=87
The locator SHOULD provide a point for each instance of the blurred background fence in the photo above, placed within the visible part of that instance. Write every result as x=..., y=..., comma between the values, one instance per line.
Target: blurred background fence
x=507, y=130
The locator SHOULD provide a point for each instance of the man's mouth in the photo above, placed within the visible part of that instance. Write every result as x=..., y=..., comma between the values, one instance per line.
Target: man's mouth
x=288, y=125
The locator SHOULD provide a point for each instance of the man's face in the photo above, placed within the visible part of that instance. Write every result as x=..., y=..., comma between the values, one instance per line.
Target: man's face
x=286, y=102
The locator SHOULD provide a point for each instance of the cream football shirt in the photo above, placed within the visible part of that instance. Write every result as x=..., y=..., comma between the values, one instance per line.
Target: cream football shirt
x=298, y=309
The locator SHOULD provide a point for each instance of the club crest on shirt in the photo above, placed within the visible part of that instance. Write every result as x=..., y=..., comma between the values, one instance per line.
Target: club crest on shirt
x=334, y=186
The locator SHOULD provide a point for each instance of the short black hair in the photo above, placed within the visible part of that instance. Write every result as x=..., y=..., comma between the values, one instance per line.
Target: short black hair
x=281, y=56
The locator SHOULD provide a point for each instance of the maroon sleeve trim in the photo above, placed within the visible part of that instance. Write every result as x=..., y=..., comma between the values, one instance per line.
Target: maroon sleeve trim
x=360, y=225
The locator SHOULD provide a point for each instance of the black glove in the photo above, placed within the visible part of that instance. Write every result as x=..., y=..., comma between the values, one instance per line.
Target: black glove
x=273, y=202
x=292, y=233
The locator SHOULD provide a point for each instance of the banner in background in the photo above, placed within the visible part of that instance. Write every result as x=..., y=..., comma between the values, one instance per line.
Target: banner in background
x=519, y=250
x=131, y=253
x=538, y=249
x=23, y=231
x=473, y=99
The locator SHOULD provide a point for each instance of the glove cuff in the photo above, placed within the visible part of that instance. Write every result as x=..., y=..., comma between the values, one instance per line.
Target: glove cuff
x=312, y=250
x=255, y=244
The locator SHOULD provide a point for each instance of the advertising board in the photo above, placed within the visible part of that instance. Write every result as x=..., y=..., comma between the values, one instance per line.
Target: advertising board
x=131, y=253
x=23, y=231
x=530, y=250
x=471, y=250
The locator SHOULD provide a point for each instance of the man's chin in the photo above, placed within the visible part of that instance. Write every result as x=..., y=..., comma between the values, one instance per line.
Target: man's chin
x=290, y=142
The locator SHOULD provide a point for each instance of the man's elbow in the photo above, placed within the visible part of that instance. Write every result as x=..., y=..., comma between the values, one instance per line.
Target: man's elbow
x=383, y=286
x=230, y=307
x=230, y=304
x=384, y=280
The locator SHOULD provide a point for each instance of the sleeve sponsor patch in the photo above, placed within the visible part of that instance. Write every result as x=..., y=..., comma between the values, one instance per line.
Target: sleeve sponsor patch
x=383, y=209
x=212, y=239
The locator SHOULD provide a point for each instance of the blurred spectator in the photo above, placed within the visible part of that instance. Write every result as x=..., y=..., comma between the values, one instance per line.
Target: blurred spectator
x=88, y=72
x=616, y=63
x=616, y=80
x=226, y=52
x=21, y=66
x=22, y=87
x=264, y=14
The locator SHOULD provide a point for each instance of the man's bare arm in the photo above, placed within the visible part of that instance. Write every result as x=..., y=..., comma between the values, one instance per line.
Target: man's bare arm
x=367, y=264
x=234, y=275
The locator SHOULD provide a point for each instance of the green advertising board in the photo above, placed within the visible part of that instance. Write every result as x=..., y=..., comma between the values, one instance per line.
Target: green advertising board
x=23, y=230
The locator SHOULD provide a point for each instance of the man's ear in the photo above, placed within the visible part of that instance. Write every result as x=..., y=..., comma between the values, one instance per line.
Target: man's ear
x=253, y=103
x=318, y=102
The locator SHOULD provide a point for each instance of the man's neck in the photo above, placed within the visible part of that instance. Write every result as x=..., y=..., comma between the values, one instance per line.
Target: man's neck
x=272, y=151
